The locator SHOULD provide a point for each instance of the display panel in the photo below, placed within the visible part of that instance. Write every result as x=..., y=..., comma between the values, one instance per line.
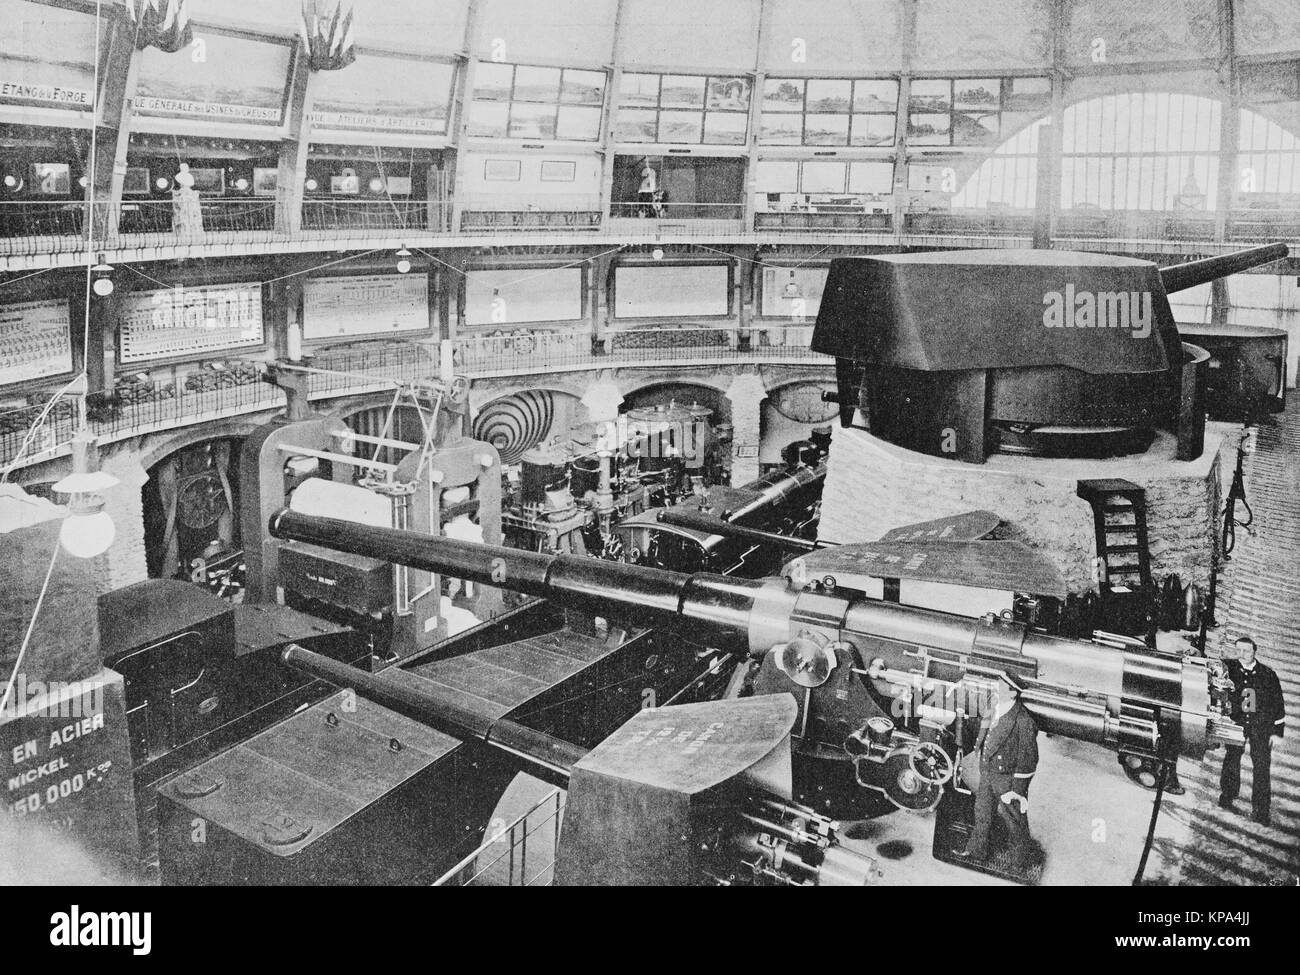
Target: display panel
x=794, y=293
x=364, y=305
x=188, y=320
x=500, y=298
x=201, y=83
x=47, y=56
x=35, y=341
x=670, y=291
x=389, y=94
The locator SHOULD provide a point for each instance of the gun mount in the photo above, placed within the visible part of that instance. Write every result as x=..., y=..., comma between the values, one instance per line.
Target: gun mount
x=962, y=353
x=883, y=690
x=637, y=791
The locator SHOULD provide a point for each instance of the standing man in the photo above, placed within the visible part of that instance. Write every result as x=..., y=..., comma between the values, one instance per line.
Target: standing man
x=1008, y=750
x=1258, y=707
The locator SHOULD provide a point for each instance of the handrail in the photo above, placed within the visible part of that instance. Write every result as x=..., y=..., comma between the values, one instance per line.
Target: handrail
x=137, y=407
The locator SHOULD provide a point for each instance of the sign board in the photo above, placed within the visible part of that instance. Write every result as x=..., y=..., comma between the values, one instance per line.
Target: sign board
x=365, y=305
x=183, y=321
x=65, y=761
x=34, y=341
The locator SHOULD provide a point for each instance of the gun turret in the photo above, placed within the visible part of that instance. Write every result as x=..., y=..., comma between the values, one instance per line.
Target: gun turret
x=867, y=657
x=1026, y=351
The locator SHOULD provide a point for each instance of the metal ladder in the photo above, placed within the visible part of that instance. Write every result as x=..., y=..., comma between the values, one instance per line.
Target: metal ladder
x=1119, y=515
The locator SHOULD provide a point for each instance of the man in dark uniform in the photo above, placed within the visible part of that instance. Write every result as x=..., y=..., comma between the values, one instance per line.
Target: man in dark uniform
x=1008, y=750
x=1258, y=707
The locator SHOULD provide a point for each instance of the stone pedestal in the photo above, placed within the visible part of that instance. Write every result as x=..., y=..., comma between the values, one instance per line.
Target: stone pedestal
x=873, y=486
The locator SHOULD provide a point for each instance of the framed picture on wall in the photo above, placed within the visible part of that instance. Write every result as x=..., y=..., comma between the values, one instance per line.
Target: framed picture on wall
x=501, y=170
x=51, y=179
x=349, y=184
x=210, y=181
x=559, y=171
x=266, y=179
x=397, y=185
x=136, y=181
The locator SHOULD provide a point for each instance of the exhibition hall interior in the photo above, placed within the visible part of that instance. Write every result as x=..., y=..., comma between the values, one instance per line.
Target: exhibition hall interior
x=649, y=442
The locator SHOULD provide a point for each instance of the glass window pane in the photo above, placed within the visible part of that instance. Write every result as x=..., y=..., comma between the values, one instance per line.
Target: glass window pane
x=873, y=130
x=776, y=176
x=579, y=123
x=928, y=130
x=875, y=96
x=974, y=129
x=537, y=84
x=871, y=177
x=781, y=130
x=823, y=177
x=583, y=87
x=488, y=119
x=826, y=130
x=931, y=96
x=492, y=80
x=725, y=128
x=681, y=126
x=529, y=121
x=828, y=95
x=782, y=95
x=636, y=125
x=729, y=94
x=979, y=93
x=681, y=91
x=639, y=89
x=1029, y=95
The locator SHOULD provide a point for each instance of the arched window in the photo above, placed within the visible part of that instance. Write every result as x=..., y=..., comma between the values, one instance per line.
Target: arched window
x=1138, y=151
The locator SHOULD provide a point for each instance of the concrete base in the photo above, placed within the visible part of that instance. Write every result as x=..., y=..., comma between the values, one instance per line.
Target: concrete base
x=873, y=486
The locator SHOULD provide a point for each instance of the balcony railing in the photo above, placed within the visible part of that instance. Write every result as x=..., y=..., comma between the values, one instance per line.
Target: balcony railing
x=855, y=221
x=574, y=211
x=375, y=216
x=138, y=406
x=43, y=228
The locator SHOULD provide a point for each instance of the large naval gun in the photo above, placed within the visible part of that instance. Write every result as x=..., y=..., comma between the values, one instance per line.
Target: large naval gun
x=1058, y=353
x=889, y=696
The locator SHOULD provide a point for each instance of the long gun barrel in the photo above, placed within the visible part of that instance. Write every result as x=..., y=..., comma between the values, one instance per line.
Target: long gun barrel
x=420, y=700
x=1118, y=696
x=1180, y=277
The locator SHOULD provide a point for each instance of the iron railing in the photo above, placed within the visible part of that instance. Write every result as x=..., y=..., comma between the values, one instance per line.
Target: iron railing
x=375, y=216
x=137, y=406
x=519, y=854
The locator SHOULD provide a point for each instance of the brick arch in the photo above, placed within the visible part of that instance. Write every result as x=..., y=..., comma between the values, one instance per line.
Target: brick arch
x=155, y=448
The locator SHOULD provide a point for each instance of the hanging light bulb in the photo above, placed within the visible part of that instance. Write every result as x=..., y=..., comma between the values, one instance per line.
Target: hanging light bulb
x=403, y=260
x=241, y=184
x=88, y=530
x=376, y=185
x=103, y=284
x=657, y=254
x=311, y=185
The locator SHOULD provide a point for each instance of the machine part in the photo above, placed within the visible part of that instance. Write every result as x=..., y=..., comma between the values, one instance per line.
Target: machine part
x=805, y=661
x=900, y=782
x=932, y=763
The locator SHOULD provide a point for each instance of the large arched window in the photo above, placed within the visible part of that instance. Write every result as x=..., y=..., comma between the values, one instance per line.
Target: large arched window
x=1138, y=151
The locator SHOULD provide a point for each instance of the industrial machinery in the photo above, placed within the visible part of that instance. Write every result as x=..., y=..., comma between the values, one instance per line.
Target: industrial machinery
x=570, y=497
x=889, y=696
x=964, y=353
x=741, y=531
x=318, y=463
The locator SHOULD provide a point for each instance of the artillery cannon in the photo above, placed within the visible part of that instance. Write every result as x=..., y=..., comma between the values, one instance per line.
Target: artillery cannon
x=888, y=695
